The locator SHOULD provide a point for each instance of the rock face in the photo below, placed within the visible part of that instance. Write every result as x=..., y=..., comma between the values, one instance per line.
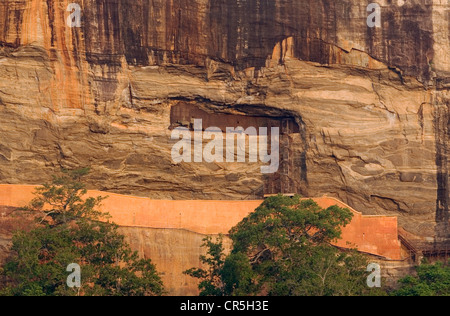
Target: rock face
x=371, y=104
x=173, y=251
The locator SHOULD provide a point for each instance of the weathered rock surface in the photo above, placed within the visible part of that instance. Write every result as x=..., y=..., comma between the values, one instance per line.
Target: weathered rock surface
x=173, y=251
x=372, y=103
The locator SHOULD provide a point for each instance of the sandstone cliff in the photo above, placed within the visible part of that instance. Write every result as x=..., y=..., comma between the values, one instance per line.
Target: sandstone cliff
x=372, y=104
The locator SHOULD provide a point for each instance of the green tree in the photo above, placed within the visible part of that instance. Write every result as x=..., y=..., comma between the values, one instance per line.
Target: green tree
x=211, y=280
x=68, y=231
x=224, y=274
x=284, y=249
x=431, y=280
x=61, y=200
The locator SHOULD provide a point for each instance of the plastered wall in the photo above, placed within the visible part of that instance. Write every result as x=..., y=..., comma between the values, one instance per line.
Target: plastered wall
x=376, y=235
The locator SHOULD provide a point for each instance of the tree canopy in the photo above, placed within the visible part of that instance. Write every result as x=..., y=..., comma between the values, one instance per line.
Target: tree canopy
x=69, y=231
x=284, y=248
x=431, y=280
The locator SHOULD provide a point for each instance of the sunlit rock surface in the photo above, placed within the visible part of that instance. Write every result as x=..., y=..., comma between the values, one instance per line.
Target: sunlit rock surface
x=372, y=104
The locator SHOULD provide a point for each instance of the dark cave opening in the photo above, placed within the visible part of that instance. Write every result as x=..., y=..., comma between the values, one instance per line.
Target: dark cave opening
x=291, y=176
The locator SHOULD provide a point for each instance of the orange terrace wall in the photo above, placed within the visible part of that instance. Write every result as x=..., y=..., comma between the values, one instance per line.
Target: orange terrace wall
x=377, y=235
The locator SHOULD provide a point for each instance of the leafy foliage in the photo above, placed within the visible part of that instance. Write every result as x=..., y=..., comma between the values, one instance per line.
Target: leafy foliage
x=211, y=284
x=61, y=200
x=224, y=273
x=69, y=231
x=283, y=248
x=431, y=280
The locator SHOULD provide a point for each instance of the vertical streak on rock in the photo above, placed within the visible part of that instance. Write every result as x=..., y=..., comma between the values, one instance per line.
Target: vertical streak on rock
x=44, y=24
x=413, y=24
x=441, y=65
x=51, y=20
x=11, y=17
x=442, y=134
x=104, y=50
x=134, y=32
x=238, y=37
x=441, y=36
x=18, y=18
x=67, y=73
